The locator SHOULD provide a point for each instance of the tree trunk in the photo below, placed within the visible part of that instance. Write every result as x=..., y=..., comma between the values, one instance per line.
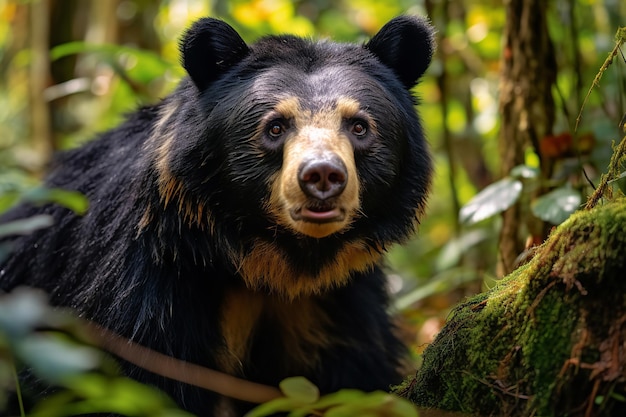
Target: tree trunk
x=41, y=134
x=527, y=107
x=549, y=340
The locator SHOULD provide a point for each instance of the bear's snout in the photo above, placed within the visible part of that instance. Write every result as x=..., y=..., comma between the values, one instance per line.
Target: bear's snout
x=323, y=178
x=316, y=190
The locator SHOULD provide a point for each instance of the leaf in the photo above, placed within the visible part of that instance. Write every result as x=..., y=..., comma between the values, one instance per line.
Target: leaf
x=438, y=284
x=451, y=253
x=344, y=403
x=8, y=199
x=557, y=205
x=524, y=171
x=300, y=397
x=93, y=393
x=26, y=226
x=148, y=65
x=73, y=48
x=340, y=397
x=22, y=311
x=55, y=358
x=279, y=405
x=375, y=404
x=300, y=389
x=493, y=199
x=72, y=200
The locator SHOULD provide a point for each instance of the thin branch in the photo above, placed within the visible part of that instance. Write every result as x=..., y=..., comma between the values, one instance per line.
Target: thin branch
x=182, y=371
x=620, y=38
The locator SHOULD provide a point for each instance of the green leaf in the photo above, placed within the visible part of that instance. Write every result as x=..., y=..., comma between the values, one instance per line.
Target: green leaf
x=344, y=403
x=73, y=48
x=148, y=65
x=340, y=397
x=556, y=206
x=95, y=393
x=300, y=389
x=375, y=404
x=22, y=311
x=26, y=226
x=493, y=199
x=8, y=199
x=300, y=399
x=440, y=283
x=618, y=397
x=279, y=405
x=55, y=358
x=525, y=171
x=452, y=252
x=72, y=200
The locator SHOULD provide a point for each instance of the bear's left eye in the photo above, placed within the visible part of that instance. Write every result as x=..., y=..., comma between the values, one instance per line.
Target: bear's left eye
x=275, y=129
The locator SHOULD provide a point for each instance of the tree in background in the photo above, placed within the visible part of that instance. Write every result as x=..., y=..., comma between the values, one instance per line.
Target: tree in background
x=528, y=76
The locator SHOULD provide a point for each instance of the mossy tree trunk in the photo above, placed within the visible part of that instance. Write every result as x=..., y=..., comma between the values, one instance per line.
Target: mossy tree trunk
x=549, y=340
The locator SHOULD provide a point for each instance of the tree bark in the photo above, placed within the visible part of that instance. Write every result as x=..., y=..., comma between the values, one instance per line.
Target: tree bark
x=549, y=340
x=41, y=134
x=527, y=108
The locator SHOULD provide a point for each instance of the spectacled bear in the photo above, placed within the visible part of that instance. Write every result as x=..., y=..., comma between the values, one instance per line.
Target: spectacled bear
x=239, y=223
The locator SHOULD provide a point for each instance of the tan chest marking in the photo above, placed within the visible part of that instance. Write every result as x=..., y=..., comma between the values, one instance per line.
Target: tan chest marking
x=241, y=311
x=264, y=267
x=305, y=330
x=302, y=326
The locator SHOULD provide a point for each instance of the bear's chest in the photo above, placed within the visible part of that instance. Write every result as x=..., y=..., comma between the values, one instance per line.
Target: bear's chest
x=269, y=336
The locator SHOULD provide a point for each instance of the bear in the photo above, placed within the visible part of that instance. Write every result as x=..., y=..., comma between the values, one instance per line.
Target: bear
x=240, y=223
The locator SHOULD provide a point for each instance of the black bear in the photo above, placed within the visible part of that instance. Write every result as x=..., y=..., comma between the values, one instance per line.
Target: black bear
x=239, y=223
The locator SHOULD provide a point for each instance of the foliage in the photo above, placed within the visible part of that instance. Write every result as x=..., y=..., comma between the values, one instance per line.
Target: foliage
x=303, y=399
x=40, y=195
x=52, y=344
x=492, y=200
x=106, y=65
x=555, y=206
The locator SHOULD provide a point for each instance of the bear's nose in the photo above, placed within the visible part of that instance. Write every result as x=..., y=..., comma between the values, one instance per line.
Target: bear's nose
x=323, y=178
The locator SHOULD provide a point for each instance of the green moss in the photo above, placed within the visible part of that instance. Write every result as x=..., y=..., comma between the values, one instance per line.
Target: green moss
x=536, y=344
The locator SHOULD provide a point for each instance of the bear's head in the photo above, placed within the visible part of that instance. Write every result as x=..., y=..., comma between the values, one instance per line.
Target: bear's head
x=302, y=160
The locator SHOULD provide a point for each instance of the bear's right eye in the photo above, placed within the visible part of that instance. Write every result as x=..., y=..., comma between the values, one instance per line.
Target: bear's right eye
x=359, y=128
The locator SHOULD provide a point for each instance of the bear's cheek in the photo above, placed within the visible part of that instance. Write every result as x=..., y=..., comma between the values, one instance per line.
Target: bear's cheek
x=316, y=192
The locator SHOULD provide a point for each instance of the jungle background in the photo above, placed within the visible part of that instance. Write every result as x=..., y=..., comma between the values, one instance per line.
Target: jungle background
x=500, y=105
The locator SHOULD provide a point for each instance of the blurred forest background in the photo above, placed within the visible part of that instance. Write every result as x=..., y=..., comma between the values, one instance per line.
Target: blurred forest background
x=500, y=104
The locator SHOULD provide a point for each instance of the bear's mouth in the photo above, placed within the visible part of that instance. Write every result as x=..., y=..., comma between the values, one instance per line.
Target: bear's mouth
x=318, y=212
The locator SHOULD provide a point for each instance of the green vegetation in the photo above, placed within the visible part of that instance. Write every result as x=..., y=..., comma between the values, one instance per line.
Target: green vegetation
x=71, y=69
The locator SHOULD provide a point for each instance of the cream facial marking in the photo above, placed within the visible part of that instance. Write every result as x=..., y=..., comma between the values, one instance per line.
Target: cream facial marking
x=171, y=189
x=316, y=193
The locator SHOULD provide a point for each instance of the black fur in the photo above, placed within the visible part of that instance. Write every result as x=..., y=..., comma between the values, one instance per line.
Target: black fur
x=135, y=265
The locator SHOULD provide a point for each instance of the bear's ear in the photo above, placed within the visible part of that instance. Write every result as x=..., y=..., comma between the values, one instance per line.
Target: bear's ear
x=209, y=48
x=406, y=45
